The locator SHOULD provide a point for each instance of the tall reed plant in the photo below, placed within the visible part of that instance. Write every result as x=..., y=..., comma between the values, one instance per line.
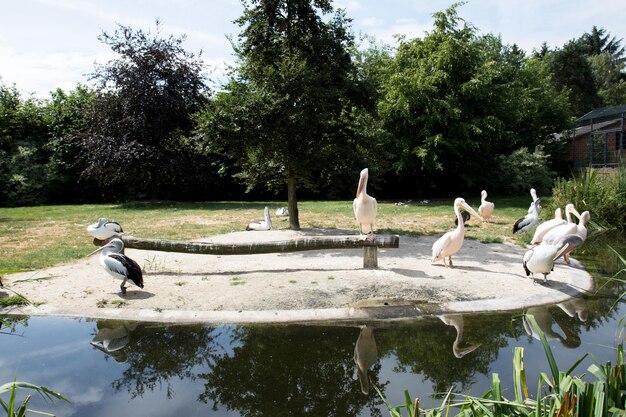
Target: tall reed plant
x=559, y=393
x=602, y=194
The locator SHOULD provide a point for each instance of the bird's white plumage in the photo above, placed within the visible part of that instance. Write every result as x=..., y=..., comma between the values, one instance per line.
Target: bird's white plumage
x=540, y=260
x=486, y=207
x=548, y=225
x=104, y=229
x=554, y=234
x=365, y=206
x=527, y=222
x=451, y=242
x=118, y=265
x=533, y=194
x=265, y=224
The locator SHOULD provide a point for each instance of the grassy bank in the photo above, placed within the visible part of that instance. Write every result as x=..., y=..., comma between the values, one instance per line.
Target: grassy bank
x=37, y=237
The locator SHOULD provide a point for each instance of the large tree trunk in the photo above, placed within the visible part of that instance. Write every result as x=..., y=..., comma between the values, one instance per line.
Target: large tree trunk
x=292, y=201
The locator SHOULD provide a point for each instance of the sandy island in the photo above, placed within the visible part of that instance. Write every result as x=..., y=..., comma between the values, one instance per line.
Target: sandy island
x=298, y=286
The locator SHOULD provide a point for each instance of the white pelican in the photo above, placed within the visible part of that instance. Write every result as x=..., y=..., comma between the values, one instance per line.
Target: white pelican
x=575, y=240
x=546, y=226
x=569, y=243
x=553, y=235
x=365, y=355
x=486, y=207
x=540, y=259
x=119, y=265
x=265, y=224
x=365, y=206
x=104, y=229
x=451, y=242
x=527, y=222
x=282, y=212
x=457, y=321
x=533, y=194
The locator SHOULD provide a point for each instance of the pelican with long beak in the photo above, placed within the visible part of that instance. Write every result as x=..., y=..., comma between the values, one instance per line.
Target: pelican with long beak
x=451, y=242
x=553, y=235
x=265, y=224
x=104, y=229
x=486, y=207
x=527, y=222
x=548, y=225
x=575, y=240
x=540, y=259
x=365, y=355
x=365, y=206
x=119, y=265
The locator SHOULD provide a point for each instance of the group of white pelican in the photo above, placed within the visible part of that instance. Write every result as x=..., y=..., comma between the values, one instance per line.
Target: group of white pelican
x=552, y=239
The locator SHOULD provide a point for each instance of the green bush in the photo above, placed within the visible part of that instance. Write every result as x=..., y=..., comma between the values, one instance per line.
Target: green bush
x=522, y=170
x=602, y=194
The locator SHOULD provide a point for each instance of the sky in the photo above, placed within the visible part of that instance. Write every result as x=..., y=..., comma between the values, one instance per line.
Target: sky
x=49, y=44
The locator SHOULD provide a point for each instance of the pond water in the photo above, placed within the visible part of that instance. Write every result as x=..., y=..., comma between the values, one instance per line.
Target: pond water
x=108, y=367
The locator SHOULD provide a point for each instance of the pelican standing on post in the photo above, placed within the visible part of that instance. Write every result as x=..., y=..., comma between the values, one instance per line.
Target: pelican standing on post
x=104, y=229
x=365, y=207
x=527, y=222
x=265, y=224
x=119, y=265
x=486, y=207
x=451, y=242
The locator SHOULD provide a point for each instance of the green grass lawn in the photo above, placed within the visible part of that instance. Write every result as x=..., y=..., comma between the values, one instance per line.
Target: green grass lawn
x=37, y=237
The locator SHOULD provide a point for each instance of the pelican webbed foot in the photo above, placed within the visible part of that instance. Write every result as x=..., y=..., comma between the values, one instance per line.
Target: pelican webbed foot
x=370, y=236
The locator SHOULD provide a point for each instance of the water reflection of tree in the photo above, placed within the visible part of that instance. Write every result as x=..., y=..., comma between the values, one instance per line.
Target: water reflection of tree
x=290, y=370
x=158, y=354
x=9, y=324
x=426, y=348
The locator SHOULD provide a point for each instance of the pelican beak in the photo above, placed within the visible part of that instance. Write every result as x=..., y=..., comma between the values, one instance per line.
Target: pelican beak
x=97, y=250
x=575, y=212
x=471, y=210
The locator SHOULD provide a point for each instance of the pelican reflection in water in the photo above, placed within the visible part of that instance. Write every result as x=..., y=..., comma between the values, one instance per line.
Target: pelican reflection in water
x=365, y=355
x=456, y=320
x=567, y=337
x=112, y=337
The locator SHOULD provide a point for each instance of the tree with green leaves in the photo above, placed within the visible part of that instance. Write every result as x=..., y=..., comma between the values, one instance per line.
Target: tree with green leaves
x=135, y=144
x=286, y=116
x=452, y=101
x=598, y=42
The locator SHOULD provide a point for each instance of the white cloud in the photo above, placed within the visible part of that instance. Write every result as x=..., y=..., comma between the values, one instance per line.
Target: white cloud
x=41, y=72
x=368, y=22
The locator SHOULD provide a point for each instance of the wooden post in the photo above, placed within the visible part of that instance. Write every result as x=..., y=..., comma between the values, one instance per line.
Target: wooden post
x=370, y=254
x=370, y=257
